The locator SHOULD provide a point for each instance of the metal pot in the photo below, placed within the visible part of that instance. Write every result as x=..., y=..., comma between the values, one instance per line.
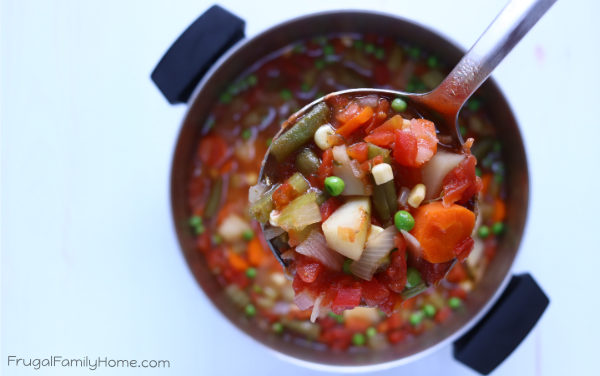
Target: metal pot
x=502, y=309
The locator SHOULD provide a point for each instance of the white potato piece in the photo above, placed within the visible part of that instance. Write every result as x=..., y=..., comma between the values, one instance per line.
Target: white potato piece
x=436, y=170
x=346, y=229
x=232, y=228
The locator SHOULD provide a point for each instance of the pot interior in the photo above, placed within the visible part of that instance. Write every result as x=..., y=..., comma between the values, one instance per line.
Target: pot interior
x=251, y=51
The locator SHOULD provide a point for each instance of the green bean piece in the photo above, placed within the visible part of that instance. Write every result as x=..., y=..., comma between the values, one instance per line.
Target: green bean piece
x=300, y=133
x=414, y=291
x=261, y=209
x=374, y=150
x=380, y=203
x=298, y=182
x=214, y=198
x=390, y=195
x=307, y=162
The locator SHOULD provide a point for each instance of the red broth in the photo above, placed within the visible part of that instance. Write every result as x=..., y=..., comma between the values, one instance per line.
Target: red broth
x=227, y=161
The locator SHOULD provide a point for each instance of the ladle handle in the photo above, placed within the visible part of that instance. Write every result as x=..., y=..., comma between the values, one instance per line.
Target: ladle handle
x=513, y=22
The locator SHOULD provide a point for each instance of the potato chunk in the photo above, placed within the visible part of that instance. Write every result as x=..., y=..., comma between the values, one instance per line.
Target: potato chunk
x=346, y=229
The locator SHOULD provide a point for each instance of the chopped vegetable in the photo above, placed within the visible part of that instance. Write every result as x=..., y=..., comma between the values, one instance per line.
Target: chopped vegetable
x=416, y=195
x=353, y=124
x=436, y=170
x=346, y=229
x=261, y=209
x=399, y=105
x=334, y=185
x=374, y=151
x=382, y=173
x=214, y=199
x=315, y=246
x=300, y=133
x=404, y=220
x=439, y=229
x=353, y=185
x=379, y=244
x=307, y=162
x=233, y=228
x=301, y=212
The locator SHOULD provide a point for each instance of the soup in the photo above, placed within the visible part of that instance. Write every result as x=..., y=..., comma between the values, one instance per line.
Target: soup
x=237, y=134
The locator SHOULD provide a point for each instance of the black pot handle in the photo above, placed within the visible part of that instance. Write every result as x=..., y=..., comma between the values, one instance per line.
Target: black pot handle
x=200, y=45
x=509, y=321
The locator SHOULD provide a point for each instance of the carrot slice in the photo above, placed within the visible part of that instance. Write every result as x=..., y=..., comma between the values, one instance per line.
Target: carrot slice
x=441, y=229
x=255, y=252
x=499, y=210
x=359, y=151
x=237, y=261
x=354, y=123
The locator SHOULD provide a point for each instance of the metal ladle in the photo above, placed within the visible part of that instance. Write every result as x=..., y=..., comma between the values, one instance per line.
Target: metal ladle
x=445, y=101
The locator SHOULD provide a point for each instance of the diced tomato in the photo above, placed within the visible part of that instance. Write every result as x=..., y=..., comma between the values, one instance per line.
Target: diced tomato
x=432, y=273
x=337, y=337
x=458, y=292
x=396, y=122
x=212, y=150
x=424, y=131
x=329, y=206
x=346, y=298
x=463, y=248
x=396, y=271
x=383, y=138
x=283, y=195
x=457, y=274
x=350, y=110
x=308, y=271
x=374, y=293
x=397, y=336
x=326, y=167
x=461, y=183
x=442, y=315
x=405, y=149
x=358, y=151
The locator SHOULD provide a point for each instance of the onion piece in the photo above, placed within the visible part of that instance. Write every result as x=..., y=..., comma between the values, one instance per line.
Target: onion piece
x=436, y=169
x=272, y=232
x=304, y=300
x=403, y=197
x=342, y=168
x=315, y=246
x=378, y=246
x=412, y=244
x=299, y=213
x=256, y=191
x=316, y=308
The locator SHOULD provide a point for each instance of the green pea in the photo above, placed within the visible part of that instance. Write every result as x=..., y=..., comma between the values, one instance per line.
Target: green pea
x=432, y=61
x=416, y=318
x=199, y=230
x=251, y=272
x=370, y=48
x=379, y=53
x=319, y=64
x=250, y=310
x=246, y=134
x=454, y=302
x=257, y=289
x=251, y=80
x=346, y=266
x=359, y=44
x=195, y=221
x=358, y=339
x=217, y=239
x=404, y=220
x=413, y=277
x=248, y=234
x=277, y=327
x=498, y=228
x=286, y=94
x=225, y=98
x=371, y=332
x=429, y=310
x=334, y=185
x=474, y=104
x=483, y=231
x=414, y=52
x=338, y=318
x=399, y=105
x=305, y=87
x=328, y=50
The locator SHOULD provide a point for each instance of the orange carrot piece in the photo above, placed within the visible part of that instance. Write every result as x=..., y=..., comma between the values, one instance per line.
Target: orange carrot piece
x=236, y=261
x=499, y=210
x=440, y=229
x=359, y=151
x=354, y=123
x=255, y=252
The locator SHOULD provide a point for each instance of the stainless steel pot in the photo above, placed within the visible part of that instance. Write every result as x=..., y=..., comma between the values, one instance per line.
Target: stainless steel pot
x=503, y=308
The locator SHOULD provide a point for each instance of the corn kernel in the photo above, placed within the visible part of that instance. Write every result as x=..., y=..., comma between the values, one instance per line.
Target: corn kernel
x=382, y=173
x=416, y=195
